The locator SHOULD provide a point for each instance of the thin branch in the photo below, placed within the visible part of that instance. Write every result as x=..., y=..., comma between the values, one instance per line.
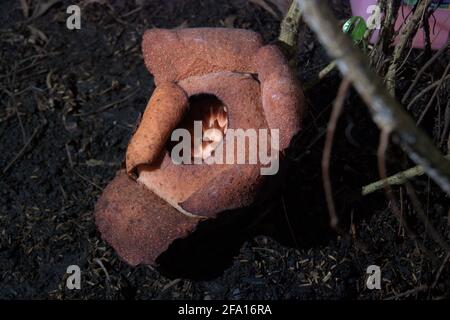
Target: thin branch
x=446, y=125
x=424, y=91
x=424, y=68
x=441, y=268
x=388, y=29
x=429, y=228
x=436, y=91
x=291, y=230
x=24, y=148
x=387, y=32
x=322, y=74
x=382, y=148
x=107, y=106
x=409, y=292
x=408, y=31
x=397, y=179
x=387, y=113
x=336, y=112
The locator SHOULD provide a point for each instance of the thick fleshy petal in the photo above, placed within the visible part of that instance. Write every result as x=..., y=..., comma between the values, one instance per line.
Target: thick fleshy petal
x=137, y=223
x=172, y=55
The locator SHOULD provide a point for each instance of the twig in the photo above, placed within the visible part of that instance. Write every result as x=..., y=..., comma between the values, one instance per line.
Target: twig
x=87, y=180
x=409, y=292
x=69, y=156
x=19, y=118
x=335, y=113
x=387, y=32
x=263, y=4
x=24, y=148
x=397, y=179
x=72, y=167
x=426, y=29
x=108, y=279
x=429, y=228
x=388, y=28
x=381, y=153
x=424, y=68
x=107, y=106
x=129, y=13
x=436, y=91
x=32, y=65
x=382, y=148
x=322, y=74
x=168, y=286
x=386, y=111
x=407, y=32
x=289, y=223
x=424, y=91
x=12, y=101
x=441, y=268
x=100, y=263
x=446, y=124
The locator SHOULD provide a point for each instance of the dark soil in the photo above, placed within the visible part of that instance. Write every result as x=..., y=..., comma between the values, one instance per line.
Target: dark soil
x=69, y=102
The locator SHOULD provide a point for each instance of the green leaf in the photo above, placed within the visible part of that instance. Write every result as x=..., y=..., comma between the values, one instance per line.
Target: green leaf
x=356, y=27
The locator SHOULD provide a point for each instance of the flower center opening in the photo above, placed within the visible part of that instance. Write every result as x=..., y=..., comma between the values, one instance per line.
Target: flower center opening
x=212, y=113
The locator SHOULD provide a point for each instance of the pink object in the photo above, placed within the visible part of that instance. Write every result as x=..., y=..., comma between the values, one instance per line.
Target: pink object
x=439, y=22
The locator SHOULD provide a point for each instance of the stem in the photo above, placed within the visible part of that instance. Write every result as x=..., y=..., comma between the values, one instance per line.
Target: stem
x=407, y=32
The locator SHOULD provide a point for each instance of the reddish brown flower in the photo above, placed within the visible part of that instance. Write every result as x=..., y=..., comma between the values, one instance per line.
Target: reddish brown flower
x=225, y=78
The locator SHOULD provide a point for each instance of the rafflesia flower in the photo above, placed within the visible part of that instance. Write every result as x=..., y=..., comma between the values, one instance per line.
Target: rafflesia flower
x=226, y=79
